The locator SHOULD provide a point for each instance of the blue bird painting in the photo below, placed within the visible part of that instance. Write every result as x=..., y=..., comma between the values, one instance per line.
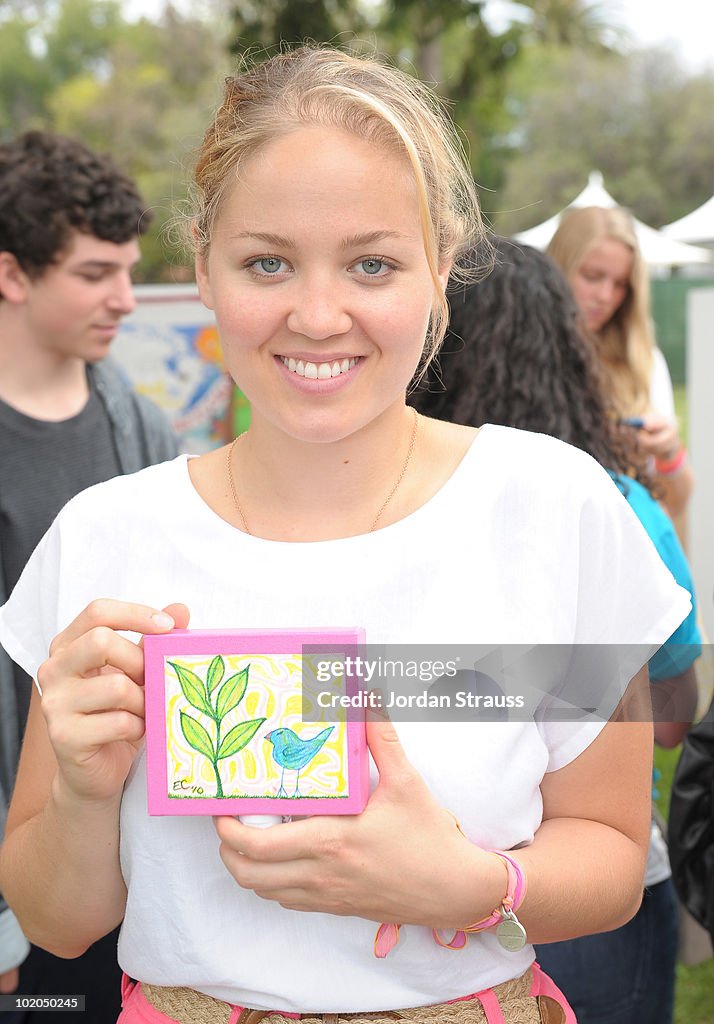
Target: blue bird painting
x=290, y=751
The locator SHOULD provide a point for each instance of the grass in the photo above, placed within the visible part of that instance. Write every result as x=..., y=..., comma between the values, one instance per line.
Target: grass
x=694, y=994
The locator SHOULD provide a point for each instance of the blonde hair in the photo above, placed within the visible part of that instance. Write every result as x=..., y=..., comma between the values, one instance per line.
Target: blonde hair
x=328, y=87
x=625, y=344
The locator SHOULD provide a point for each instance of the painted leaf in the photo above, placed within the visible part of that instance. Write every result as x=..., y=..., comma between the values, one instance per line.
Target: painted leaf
x=197, y=736
x=232, y=692
x=193, y=689
x=238, y=737
x=215, y=673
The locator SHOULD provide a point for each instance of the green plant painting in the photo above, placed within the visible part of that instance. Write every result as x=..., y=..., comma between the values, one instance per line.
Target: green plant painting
x=215, y=698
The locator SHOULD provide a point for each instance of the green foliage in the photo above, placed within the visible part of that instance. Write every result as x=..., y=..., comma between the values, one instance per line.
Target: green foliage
x=25, y=80
x=81, y=35
x=267, y=25
x=572, y=23
x=196, y=736
x=216, y=672
x=231, y=693
x=193, y=689
x=639, y=119
x=541, y=99
x=142, y=91
x=448, y=43
x=239, y=736
x=693, y=993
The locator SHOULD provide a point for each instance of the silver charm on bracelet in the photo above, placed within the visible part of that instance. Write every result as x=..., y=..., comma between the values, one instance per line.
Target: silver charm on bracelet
x=510, y=932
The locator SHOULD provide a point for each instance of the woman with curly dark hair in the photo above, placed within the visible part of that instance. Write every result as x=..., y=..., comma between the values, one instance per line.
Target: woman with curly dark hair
x=515, y=355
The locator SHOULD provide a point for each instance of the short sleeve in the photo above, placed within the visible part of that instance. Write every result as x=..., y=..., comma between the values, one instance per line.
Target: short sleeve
x=565, y=741
x=661, y=392
x=100, y=545
x=626, y=594
x=627, y=605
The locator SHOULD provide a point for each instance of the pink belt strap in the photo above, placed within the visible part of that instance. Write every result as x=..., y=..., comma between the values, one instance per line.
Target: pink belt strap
x=542, y=985
x=490, y=1005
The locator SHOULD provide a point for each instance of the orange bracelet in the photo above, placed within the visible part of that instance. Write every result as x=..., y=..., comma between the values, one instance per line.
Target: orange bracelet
x=667, y=467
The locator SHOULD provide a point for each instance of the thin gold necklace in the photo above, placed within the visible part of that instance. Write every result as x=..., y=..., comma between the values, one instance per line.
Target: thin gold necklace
x=385, y=503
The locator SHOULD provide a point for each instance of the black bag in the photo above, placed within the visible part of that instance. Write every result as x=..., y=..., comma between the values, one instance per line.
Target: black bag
x=691, y=822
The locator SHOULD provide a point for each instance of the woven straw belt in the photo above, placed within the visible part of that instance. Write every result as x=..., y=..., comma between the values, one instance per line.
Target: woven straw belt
x=186, y=1006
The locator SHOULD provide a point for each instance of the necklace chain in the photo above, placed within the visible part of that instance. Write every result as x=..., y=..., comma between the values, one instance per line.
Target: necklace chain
x=405, y=467
x=231, y=481
x=385, y=503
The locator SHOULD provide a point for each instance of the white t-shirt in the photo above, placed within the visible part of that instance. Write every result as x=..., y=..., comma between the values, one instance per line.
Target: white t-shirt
x=528, y=542
x=661, y=391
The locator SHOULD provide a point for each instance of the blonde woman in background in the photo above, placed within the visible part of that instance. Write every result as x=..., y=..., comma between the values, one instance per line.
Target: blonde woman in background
x=598, y=251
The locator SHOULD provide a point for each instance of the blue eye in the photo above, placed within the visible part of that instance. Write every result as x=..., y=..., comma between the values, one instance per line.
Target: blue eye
x=270, y=264
x=371, y=266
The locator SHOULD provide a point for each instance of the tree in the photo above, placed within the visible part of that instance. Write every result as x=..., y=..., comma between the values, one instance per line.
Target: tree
x=140, y=91
x=640, y=119
x=540, y=101
x=270, y=24
x=571, y=23
x=445, y=42
x=25, y=81
x=80, y=36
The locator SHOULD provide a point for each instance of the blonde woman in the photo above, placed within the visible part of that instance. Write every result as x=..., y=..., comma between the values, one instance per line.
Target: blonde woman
x=332, y=206
x=598, y=251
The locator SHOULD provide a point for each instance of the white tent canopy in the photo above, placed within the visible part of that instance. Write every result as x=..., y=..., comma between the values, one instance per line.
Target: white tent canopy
x=697, y=226
x=657, y=249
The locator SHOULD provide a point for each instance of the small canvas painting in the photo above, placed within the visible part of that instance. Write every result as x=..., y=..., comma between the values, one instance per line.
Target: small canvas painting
x=231, y=730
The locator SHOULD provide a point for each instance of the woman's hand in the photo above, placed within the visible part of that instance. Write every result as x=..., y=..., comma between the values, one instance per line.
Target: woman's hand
x=93, y=694
x=659, y=437
x=9, y=981
x=402, y=860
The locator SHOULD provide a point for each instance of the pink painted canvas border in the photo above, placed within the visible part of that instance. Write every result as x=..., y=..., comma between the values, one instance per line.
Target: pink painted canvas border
x=238, y=641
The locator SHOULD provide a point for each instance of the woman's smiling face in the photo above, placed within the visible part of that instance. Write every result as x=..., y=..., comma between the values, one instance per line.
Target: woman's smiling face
x=319, y=280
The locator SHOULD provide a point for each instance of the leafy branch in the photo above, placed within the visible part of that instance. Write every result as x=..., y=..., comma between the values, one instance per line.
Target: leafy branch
x=228, y=696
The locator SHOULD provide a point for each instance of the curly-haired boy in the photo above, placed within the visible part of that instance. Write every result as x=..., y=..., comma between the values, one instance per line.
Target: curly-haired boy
x=70, y=221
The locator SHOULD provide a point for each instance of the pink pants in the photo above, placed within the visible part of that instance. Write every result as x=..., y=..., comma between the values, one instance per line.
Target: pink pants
x=137, y=1010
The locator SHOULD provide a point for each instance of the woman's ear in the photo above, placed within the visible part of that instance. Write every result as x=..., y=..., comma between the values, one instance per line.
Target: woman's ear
x=203, y=280
x=444, y=272
x=201, y=268
x=14, y=282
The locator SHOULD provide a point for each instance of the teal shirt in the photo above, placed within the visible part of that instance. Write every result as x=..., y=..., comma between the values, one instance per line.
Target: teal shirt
x=684, y=645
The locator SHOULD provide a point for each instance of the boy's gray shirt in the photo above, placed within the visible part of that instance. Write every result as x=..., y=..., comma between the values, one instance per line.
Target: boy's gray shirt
x=142, y=438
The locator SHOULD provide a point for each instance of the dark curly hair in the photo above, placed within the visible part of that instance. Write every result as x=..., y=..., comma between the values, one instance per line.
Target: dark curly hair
x=52, y=186
x=514, y=354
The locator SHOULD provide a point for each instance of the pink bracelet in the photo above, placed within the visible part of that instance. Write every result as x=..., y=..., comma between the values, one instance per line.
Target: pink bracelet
x=504, y=916
x=667, y=467
x=515, y=892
